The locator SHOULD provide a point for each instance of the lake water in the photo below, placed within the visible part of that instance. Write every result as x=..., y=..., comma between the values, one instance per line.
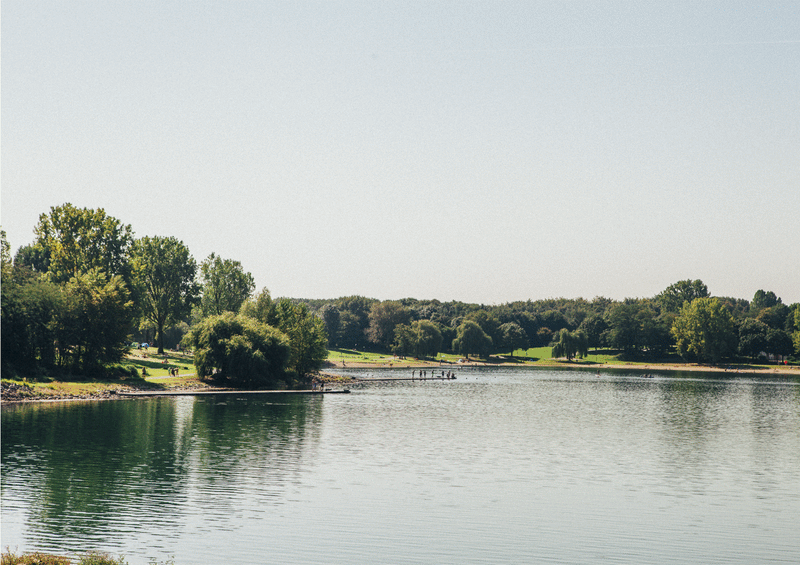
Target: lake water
x=498, y=466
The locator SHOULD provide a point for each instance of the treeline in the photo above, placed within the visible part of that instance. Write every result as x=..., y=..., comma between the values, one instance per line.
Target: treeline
x=684, y=317
x=74, y=299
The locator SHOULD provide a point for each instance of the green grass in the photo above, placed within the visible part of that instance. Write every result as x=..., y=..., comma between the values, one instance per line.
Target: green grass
x=155, y=365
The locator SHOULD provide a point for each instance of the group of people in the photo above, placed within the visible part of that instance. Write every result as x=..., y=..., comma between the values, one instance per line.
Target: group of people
x=424, y=374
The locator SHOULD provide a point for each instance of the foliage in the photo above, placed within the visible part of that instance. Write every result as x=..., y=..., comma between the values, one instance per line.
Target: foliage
x=225, y=285
x=332, y=318
x=570, y=344
x=705, y=329
x=71, y=241
x=164, y=274
x=80, y=325
x=383, y=318
x=422, y=338
x=634, y=327
x=92, y=330
x=779, y=343
x=762, y=299
x=752, y=337
x=36, y=558
x=488, y=322
x=261, y=307
x=239, y=350
x=677, y=294
x=594, y=326
x=307, y=337
x=471, y=339
x=775, y=316
x=512, y=337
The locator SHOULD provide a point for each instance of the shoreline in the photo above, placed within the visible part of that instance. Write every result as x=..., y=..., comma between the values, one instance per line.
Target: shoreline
x=22, y=393
x=738, y=368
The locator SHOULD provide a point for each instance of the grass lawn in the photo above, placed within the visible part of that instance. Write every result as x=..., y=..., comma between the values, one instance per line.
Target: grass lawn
x=156, y=375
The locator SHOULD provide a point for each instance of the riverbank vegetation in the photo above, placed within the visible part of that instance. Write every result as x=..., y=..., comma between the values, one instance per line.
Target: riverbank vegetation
x=92, y=558
x=87, y=296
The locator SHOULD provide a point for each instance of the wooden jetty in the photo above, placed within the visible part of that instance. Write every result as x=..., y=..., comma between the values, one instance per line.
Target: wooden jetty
x=228, y=392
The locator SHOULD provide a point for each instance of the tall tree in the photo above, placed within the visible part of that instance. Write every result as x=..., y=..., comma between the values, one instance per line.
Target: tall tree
x=70, y=241
x=513, y=337
x=762, y=299
x=164, y=277
x=307, y=337
x=705, y=328
x=383, y=318
x=261, y=307
x=676, y=294
x=470, y=338
x=225, y=285
x=92, y=329
x=752, y=337
x=332, y=318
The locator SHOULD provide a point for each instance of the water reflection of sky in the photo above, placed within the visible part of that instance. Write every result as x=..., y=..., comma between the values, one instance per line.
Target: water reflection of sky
x=498, y=465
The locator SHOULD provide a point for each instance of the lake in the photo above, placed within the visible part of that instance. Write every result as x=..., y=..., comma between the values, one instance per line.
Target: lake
x=497, y=466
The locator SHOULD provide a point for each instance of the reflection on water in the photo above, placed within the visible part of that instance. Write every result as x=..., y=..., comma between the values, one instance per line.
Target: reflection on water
x=498, y=466
x=97, y=475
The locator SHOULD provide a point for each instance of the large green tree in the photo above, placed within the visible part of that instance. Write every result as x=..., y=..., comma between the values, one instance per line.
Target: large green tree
x=164, y=277
x=570, y=344
x=70, y=241
x=752, y=337
x=676, y=294
x=705, y=328
x=239, y=350
x=261, y=307
x=92, y=329
x=306, y=335
x=383, y=318
x=763, y=299
x=471, y=339
x=225, y=285
x=513, y=337
x=421, y=338
x=332, y=318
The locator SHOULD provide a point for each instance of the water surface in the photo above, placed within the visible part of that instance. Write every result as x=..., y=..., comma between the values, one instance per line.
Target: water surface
x=498, y=466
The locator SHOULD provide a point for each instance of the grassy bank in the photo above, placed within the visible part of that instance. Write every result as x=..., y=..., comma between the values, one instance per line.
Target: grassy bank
x=541, y=357
x=139, y=370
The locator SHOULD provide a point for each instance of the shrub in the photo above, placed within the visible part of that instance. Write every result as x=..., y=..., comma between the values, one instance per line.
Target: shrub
x=10, y=558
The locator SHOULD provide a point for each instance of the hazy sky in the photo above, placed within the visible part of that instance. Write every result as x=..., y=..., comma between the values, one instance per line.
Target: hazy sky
x=477, y=151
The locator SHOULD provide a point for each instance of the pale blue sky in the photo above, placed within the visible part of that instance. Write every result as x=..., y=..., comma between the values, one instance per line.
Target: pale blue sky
x=477, y=151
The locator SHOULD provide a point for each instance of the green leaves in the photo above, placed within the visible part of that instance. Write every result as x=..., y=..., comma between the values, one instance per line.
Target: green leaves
x=225, y=285
x=470, y=338
x=705, y=329
x=164, y=277
x=71, y=241
x=240, y=350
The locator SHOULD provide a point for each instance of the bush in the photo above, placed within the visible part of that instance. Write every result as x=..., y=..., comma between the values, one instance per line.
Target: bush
x=239, y=350
x=32, y=559
x=36, y=558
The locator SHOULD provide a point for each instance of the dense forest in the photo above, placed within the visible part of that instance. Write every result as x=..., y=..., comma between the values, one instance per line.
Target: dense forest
x=75, y=299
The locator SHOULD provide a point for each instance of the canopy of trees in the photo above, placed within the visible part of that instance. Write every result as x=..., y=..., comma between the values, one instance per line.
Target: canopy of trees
x=84, y=287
